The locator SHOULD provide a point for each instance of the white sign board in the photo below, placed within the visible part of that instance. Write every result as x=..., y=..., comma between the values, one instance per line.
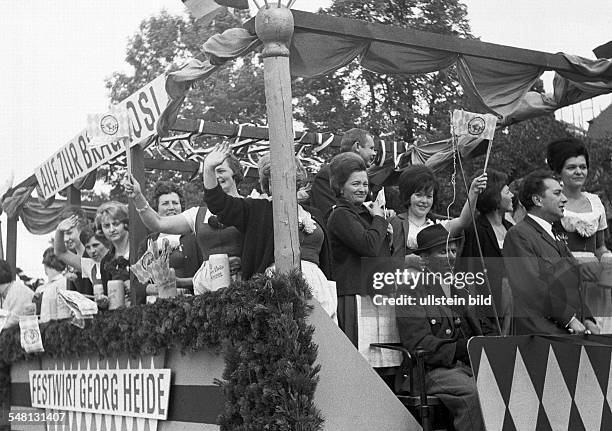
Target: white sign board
x=76, y=159
x=142, y=393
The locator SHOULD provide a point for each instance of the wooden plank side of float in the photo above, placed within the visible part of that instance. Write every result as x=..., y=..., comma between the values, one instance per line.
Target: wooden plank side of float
x=350, y=395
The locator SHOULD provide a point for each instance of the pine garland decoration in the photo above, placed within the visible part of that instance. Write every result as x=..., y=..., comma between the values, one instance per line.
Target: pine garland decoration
x=260, y=326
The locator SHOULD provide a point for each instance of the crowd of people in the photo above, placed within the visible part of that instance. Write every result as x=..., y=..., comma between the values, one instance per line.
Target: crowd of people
x=539, y=242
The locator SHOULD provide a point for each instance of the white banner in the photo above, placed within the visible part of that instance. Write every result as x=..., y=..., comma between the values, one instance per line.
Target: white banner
x=76, y=159
x=142, y=393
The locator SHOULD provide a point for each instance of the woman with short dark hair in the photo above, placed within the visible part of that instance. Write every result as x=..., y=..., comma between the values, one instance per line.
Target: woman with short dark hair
x=96, y=247
x=211, y=236
x=185, y=257
x=418, y=190
x=355, y=231
x=488, y=239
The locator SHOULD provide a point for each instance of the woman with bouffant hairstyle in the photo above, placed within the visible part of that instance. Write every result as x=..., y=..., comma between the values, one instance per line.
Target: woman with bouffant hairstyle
x=584, y=222
x=355, y=231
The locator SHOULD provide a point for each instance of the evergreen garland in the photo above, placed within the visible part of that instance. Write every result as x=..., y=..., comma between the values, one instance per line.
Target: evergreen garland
x=260, y=325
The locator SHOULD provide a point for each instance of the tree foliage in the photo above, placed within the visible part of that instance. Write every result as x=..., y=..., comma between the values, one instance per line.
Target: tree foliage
x=234, y=93
x=401, y=107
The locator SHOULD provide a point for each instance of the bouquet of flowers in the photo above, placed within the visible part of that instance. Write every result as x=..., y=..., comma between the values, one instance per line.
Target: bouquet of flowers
x=154, y=267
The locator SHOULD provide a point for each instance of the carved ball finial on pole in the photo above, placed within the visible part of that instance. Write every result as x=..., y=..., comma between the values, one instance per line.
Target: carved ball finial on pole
x=274, y=27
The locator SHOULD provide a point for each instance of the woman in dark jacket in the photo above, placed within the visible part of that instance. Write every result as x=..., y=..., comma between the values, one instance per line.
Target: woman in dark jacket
x=493, y=204
x=254, y=219
x=355, y=231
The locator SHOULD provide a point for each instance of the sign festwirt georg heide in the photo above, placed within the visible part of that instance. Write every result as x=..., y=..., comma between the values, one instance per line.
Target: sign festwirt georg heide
x=142, y=393
x=76, y=159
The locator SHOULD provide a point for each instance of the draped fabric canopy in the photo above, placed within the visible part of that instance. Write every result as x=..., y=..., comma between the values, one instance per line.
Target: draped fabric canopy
x=39, y=217
x=500, y=87
x=497, y=86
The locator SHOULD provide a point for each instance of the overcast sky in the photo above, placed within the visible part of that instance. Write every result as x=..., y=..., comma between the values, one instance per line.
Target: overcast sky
x=56, y=54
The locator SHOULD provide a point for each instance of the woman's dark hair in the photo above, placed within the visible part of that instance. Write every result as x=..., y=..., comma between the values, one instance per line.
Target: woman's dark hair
x=52, y=261
x=533, y=184
x=560, y=150
x=341, y=168
x=417, y=178
x=6, y=272
x=165, y=188
x=88, y=233
x=490, y=197
x=236, y=167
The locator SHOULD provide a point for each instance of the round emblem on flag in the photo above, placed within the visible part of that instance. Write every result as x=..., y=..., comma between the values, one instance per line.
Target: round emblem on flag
x=476, y=126
x=109, y=125
x=30, y=336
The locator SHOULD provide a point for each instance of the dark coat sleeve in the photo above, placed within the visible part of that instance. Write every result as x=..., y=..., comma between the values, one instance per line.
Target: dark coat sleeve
x=399, y=237
x=348, y=227
x=230, y=210
x=322, y=196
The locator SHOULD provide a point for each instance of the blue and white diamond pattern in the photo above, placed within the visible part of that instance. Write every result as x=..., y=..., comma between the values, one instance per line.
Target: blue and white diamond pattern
x=556, y=398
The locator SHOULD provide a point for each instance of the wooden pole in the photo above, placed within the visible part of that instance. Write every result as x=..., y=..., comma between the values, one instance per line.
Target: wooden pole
x=73, y=196
x=138, y=231
x=274, y=26
x=11, y=241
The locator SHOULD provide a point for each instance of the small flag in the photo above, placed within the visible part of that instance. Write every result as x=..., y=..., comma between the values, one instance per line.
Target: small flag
x=475, y=125
x=109, y=127
x=31, y=341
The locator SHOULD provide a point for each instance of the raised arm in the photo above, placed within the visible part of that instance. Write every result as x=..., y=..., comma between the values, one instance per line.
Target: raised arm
x=174, y=224
x=59, y=246
x=231, y=210
x=458, y=224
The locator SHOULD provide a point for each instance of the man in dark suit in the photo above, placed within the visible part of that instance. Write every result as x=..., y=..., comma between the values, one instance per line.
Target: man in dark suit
x=442, y=330
x=355, y=140
x=544, y=277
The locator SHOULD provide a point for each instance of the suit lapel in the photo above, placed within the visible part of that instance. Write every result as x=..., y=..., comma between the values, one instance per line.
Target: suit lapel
x=553, y=243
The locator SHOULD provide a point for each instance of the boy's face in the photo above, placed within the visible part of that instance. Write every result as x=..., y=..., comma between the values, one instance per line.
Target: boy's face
x=95, y=249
